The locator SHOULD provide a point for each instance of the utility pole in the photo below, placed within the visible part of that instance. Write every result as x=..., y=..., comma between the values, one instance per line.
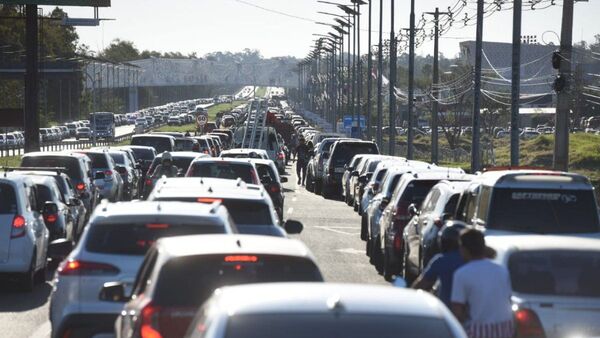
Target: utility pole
x=516, y=84
x=392, y=84
x=475, y=146
x=411, y=83
x=369, y=76
x=380, y=78
x=354, y=108
x=436, y=80
x=359, y=67
x=563, y=107
x=31, y=119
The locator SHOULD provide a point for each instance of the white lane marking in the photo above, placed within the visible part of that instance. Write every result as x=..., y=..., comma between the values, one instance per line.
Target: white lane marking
x=43, y=331
x=351, y=251
x=290, y=211
x=338, y=231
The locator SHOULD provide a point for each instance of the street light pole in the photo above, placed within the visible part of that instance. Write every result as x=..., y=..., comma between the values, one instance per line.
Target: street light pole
x=369, y=77
x=475, y=146
x=380, y=78
x=411, y=83
x=392, y=85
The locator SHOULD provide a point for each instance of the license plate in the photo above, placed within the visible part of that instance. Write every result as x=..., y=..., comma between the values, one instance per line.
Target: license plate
x=340, y=170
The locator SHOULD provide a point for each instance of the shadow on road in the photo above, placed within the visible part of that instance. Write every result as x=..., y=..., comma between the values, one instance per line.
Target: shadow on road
x=12, y=300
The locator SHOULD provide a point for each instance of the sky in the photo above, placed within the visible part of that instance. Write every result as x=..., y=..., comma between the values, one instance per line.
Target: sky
x=286, y=27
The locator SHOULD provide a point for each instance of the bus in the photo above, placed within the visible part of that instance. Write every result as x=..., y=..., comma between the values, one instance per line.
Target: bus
x=102, y=125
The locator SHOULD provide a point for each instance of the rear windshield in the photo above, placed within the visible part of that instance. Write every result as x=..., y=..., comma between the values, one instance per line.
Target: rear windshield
x=143, y=154
x=344, y=152
x=160, y=144
x=308, y=325
x=556, y=272
x=226, y=170
x=182, y=163
x=184, y=145
x=189, y=281
x=249, y=212
x=99, y=160
x=136, y=239
x=70, y=163
x=8, y=200
x=564, y=211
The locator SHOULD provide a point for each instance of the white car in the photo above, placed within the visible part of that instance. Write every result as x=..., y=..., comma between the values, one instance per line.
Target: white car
x=112, y=248
x=245, y=153
x=555, y=281
x=23, y=235
x=306, y=310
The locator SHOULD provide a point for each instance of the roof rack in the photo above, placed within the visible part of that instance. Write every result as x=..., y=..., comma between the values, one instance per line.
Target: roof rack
x=58, y=170
x=503, y=168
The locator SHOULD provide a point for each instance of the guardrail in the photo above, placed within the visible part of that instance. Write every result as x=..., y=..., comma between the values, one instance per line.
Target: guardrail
x=14, y=150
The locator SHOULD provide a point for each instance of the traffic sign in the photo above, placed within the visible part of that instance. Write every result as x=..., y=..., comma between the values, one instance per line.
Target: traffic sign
x=202, y=119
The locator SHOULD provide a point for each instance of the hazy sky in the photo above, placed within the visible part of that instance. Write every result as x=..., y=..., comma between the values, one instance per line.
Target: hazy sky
x=204, y=26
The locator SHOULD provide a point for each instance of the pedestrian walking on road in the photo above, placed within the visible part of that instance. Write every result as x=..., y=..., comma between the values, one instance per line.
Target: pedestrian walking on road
x=294, y=145
x=301, y=160
x=442, y=266
x=481, y=291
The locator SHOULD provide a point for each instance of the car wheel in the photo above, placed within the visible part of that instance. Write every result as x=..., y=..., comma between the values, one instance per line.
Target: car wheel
x=364, y=228
x=355, y=206
x=408, y=275
x=347, y=199
x=309, y=183
x=325, y=192
x=376, y=257
x=387, y=267
x=40, y=276
x=318, y=186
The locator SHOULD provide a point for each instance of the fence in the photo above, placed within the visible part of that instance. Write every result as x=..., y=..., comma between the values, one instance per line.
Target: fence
x=7, y=151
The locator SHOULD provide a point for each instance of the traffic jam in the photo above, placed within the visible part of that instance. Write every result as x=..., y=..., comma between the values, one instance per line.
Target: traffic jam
x=187, y=235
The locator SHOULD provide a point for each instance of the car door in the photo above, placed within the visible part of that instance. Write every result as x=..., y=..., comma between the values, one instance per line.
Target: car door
x=41, y=233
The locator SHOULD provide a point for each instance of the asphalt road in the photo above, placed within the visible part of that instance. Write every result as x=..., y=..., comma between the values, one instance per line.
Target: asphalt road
x=331, y=231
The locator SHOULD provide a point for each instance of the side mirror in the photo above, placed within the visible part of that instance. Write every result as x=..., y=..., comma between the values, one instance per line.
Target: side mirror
x=113, y=292
x=412, y=210
x=59, y=249
x=283, y=179
x=99, y=176
x=50, y=208
x=293, y=227
x=384, y=203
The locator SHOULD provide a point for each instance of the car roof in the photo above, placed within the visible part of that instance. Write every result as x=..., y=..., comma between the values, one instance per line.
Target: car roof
x=534, y=179
x=16, y=178
x=154, y=135
x=227, y=159
x=207, y=187
x=149, y=210
x=188, y=154
x=232, y=244
x=263, y=161
x=243, y=151
x=438, y=175
x=327, y=298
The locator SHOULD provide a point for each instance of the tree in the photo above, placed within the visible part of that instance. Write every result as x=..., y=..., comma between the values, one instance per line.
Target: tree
x=120, y=51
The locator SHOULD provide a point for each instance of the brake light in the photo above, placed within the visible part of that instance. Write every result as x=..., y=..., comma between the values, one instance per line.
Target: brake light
x=208, y=200
x=50, y=218
x=80, y=186
x=241, y=258
x=149, y=182
x=81, y=268
x=274, y=189
x=150, y=315
x=18, y=227
x=157, y=226
x=108, y=173
x=398, y=242
x=528, y=324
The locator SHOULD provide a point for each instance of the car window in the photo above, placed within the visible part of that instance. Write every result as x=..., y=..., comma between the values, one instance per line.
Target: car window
x=543, y=210
x=189, y=281
x=265, y=170
x=44, y=194
x=143, y=276
x=307, y=325
x=71, y=164
x=451, y=204
x=574, y=273
x=416, y=191
x=135, y=239
x=143, y=154
x=430, y=201
x=343, y=152
x=118, y=158
x=484, y=202
x=225, y=170
x=99, y=160
x=8, y=199
x=249, y=212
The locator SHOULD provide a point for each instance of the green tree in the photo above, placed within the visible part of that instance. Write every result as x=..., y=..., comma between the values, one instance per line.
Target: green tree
x=120, y=51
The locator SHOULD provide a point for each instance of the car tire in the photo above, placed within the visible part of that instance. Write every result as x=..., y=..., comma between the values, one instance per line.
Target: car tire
x=325, y=192
x=318, y=186
x=309, y=183
x=355, y=206
x=364, y=228
x=409, y=277
x=387, y=267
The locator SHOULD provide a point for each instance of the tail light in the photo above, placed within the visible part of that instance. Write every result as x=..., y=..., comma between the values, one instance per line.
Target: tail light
x=528, y=324
x=18, y=227
x=149, y=182
x=275, y=188
x=82, y=268
x=398, y=242
x=80, y=187
x=150, y=318
x=50, y=218
x=108, y=174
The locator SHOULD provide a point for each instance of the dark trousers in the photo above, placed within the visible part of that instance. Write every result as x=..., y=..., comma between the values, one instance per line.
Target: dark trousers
x=301, y=171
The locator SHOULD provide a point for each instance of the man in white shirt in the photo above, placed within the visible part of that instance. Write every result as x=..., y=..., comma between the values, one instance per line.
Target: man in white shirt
x=481, y=291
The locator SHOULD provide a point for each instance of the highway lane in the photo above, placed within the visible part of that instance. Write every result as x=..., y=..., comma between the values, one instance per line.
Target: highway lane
x=331, y=231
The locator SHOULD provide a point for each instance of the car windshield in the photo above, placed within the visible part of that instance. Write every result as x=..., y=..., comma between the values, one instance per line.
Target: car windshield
x=574, y=273
x=99, y=160
x=160, y=144
x=309, y=325
x=343, y=152
x=181, y=162
x=136, y=239
x=565, y=211
x=189, y=281
x=8, y=200
x=226, y=170
x=70, y=163
x=143, y=154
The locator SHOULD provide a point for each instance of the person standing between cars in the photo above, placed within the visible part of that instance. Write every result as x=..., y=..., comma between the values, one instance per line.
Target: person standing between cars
x=166, y=167
x=481, y=291
x=443, y=265
x=293, y=145
x=301, y=160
